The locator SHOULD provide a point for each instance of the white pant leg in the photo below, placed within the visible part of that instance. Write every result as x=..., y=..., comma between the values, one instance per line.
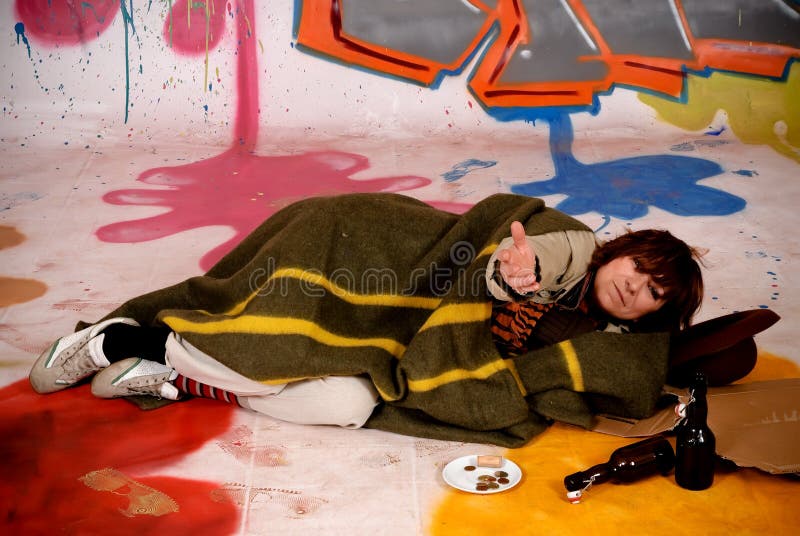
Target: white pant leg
x=199, y=366
x=345, y=401
x=337, y=400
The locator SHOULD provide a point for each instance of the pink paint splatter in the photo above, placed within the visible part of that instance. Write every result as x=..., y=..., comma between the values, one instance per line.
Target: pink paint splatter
x=188, y=31
x=66, y=22
x=239, y=189
x=451, y=206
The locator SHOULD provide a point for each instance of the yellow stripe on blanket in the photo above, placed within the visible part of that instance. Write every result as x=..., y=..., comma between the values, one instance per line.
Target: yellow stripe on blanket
x=573, y=365
x=512, y=368
x=488, y=250
x=314, y=278
x=458, y=313
x=272, y=325
x=454, y=375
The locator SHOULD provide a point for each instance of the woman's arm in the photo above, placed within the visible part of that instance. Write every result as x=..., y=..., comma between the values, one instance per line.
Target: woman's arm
x=557, y=260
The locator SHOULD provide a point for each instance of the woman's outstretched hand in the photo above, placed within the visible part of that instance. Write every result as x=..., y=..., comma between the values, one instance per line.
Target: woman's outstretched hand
x=518, y=262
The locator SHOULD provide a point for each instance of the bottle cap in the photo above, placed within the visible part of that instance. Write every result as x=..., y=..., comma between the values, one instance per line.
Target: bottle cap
x=574, y=497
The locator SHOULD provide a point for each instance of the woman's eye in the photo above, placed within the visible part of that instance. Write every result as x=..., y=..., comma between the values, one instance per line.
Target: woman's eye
x=654, y=293
x=636, y=263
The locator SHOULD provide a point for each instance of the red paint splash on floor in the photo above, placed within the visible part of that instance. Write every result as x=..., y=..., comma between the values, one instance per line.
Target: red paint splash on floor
x=239, y=188
x=49, y=442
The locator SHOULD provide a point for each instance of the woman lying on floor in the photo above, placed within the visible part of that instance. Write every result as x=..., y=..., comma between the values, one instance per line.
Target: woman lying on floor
x=508, y=318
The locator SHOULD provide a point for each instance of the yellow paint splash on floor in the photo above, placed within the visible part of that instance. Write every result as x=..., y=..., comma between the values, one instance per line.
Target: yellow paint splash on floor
x=760, y=110
x=12, y=289
x=741, y=501
x=10, y=237
x=18, y=290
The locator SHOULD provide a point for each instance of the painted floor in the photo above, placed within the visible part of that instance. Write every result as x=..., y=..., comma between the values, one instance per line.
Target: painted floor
x=80, y=234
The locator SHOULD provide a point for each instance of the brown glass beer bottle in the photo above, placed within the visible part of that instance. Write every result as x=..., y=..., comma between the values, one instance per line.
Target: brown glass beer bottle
x=626, y=464
x=695, y=444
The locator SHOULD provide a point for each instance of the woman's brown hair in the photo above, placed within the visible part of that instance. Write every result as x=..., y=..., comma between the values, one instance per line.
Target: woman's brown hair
x=671, y=263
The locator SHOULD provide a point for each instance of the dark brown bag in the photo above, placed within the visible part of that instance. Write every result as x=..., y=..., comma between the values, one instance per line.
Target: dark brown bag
x=722, y=348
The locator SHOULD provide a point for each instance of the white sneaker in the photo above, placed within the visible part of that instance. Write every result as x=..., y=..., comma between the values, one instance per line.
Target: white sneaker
x=135, y=376
x=72, y=358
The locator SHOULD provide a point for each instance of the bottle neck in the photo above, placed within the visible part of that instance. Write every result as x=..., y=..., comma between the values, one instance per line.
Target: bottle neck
x=596, y=474
x=697, y=410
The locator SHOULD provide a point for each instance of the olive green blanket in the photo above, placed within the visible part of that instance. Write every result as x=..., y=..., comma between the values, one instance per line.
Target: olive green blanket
x=386, y=286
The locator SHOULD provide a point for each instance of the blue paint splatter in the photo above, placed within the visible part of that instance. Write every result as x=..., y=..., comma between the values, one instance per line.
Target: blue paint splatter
x=716, y=132
x=462, y=168
x=711, y=143
x=691, y=146
x=606, y=222
x=20, y=29
x=683, y=147
x=627, y=187
x=7, y=202
x=746, y=172
x=87, y=5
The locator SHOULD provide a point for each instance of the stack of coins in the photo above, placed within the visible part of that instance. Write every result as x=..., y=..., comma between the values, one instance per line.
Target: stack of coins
x=488, y=482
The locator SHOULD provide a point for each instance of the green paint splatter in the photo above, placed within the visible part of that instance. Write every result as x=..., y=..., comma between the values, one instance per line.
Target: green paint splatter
x=130, y=29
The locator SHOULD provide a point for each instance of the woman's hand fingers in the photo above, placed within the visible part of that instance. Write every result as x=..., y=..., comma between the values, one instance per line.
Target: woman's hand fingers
x=518, y=234
x=518, y=262
x=522, y=247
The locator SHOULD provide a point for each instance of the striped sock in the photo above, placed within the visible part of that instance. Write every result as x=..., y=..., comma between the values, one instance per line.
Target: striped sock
x=195, y=388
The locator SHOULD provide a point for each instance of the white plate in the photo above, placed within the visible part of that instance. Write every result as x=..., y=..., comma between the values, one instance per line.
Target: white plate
x=455, y=475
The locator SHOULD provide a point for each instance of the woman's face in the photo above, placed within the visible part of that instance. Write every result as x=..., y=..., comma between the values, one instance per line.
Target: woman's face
x=625, y=293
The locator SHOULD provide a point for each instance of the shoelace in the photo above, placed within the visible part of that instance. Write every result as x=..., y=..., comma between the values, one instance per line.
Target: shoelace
x=76, y=362
x=150, y=385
